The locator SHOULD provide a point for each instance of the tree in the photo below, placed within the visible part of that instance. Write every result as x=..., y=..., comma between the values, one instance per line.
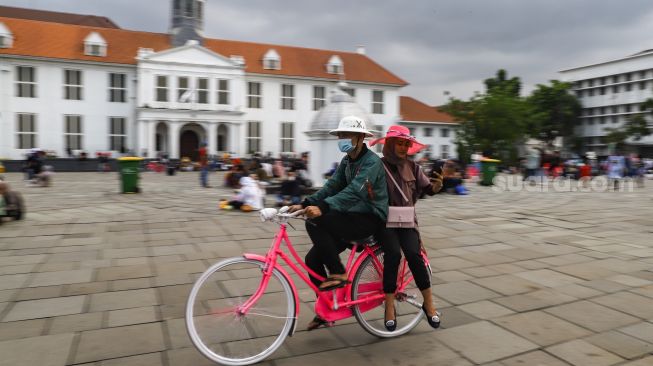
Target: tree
x=493, y=122
x=501, y=84
x=636, y=127
x=553, y=112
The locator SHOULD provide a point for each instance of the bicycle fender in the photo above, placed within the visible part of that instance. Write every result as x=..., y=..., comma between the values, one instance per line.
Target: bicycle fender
x=260, y=258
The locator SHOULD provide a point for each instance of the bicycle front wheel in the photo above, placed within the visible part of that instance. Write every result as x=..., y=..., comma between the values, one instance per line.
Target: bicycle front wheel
x=368, y=281
x=224, y=335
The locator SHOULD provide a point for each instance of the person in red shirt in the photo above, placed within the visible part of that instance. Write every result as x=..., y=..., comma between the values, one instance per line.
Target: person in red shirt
x=585, y=173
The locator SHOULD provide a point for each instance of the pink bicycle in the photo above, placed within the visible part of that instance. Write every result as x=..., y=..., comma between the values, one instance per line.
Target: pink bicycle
x=241, y=309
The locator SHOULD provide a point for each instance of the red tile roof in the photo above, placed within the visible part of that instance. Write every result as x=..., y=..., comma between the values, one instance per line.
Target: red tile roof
x=412, y=109
x=57, y=17
x=65, y=41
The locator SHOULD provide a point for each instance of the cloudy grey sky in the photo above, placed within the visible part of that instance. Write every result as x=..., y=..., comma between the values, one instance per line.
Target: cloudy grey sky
x=436, y=45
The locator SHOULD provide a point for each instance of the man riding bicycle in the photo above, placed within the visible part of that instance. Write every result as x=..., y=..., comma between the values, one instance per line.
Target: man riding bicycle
x=353, y=204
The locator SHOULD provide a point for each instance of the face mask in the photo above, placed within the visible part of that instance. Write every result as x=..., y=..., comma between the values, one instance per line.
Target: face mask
x=291, y=178
x=345, y=145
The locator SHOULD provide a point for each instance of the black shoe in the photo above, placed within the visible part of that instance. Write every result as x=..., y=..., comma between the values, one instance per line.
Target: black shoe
x=434, y=321
x=391, y=324
x=318, y=322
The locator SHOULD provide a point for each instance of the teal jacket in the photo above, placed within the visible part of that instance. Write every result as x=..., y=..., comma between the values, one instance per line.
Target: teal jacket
x=358, y=185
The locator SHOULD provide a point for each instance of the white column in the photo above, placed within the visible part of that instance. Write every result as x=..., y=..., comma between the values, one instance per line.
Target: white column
x=151, y=139
x=142, y=137
x=173, y=129
x=235, y=143
x=212, y=130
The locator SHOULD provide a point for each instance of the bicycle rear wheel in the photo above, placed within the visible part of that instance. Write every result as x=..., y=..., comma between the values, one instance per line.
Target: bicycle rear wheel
x=368, y=281
x=224, y=335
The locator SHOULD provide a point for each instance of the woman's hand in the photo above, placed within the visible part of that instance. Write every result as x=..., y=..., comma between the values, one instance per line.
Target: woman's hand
x=436, y=182
x=313, y=212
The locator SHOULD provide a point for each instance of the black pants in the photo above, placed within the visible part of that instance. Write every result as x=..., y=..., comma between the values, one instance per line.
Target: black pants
x=408, y=241
x=329, y=235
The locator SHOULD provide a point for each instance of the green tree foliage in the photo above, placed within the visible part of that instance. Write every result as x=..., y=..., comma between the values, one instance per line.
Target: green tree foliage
x=635, y=127
x=492, y=122
x=553, y=112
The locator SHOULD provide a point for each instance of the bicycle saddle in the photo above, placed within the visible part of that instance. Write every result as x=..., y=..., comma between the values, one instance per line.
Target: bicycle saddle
x=369, y=241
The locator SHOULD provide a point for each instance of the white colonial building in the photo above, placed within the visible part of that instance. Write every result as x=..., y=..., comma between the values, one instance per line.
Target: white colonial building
x=610, y=93
x=72, y=82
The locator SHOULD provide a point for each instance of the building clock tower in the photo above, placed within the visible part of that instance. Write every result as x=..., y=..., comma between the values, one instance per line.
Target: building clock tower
x=187, y=21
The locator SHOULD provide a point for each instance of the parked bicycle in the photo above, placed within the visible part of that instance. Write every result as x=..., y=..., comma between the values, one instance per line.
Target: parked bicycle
x=241, y=309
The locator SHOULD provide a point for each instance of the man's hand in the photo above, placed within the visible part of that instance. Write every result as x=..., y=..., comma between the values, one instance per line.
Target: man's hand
x=294, y=208
x=313, y=212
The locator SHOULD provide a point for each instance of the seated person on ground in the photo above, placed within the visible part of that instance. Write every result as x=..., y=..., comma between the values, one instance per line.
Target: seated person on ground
x=249, y=198
x=290, y=192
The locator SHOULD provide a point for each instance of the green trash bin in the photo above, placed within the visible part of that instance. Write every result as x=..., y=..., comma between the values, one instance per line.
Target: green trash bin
x=488, y=171
x=128, y=168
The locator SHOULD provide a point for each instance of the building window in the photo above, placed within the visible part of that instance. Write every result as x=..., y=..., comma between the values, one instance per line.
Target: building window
x=628, y=76
x=73, y=84
x=350, y=91
x=628, y=108
x=203, y=90
x=319, y=97
x=25, y=82
x=428, y=131
x=335, y=65
x=223, y=91
x=602, y=81
x=444, y=151
x=602, y=90
x=6, y=38
x=590, y=83
x=272, y=60
x=378, y=147
x=26, y=130
x=183, y=93
x=602, y=120
x=615, y=89
x=117, y=88
x=579, y=94
x=642, y=74
x=253, y=137
x=628, y=87
x=117, y=133
x=73, y=132
x=615, y=79
x=590, y=121
x=254, y=95
x=161, y=88
x=444, y=132
x=590, y=92
x=287, y=136
x=377, y=101
x=642, y=85
x=615, y=119
x=95, y=45
x=287, y=96
x=411, y=130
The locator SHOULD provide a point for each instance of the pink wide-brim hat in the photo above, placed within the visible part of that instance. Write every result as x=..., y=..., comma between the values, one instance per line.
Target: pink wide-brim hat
x=401, y=132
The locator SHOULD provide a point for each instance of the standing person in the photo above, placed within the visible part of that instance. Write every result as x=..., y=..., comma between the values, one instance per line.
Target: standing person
x=532, y=163
x=353, y=204
x=616, y=167
x=405, y=182
x=204, y=165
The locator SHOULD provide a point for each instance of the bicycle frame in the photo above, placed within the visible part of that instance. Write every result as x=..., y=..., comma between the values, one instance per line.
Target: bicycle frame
x=330, y=298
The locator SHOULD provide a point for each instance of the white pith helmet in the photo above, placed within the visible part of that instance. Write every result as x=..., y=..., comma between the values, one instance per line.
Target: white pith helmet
x=352, y=124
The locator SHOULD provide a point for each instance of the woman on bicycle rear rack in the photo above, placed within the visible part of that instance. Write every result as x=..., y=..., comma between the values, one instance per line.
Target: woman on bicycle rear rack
x=353, y=204
x=405, y=183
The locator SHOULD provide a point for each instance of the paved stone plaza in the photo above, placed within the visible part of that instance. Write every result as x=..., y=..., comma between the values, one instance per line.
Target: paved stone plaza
x=94, y=277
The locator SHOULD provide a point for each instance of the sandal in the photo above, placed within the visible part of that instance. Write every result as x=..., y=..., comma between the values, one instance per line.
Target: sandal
x=318, y=322
x=333, y=283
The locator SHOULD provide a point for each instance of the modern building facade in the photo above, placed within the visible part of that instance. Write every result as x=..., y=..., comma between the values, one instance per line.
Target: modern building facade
x=611, y=92
x=70, y=82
